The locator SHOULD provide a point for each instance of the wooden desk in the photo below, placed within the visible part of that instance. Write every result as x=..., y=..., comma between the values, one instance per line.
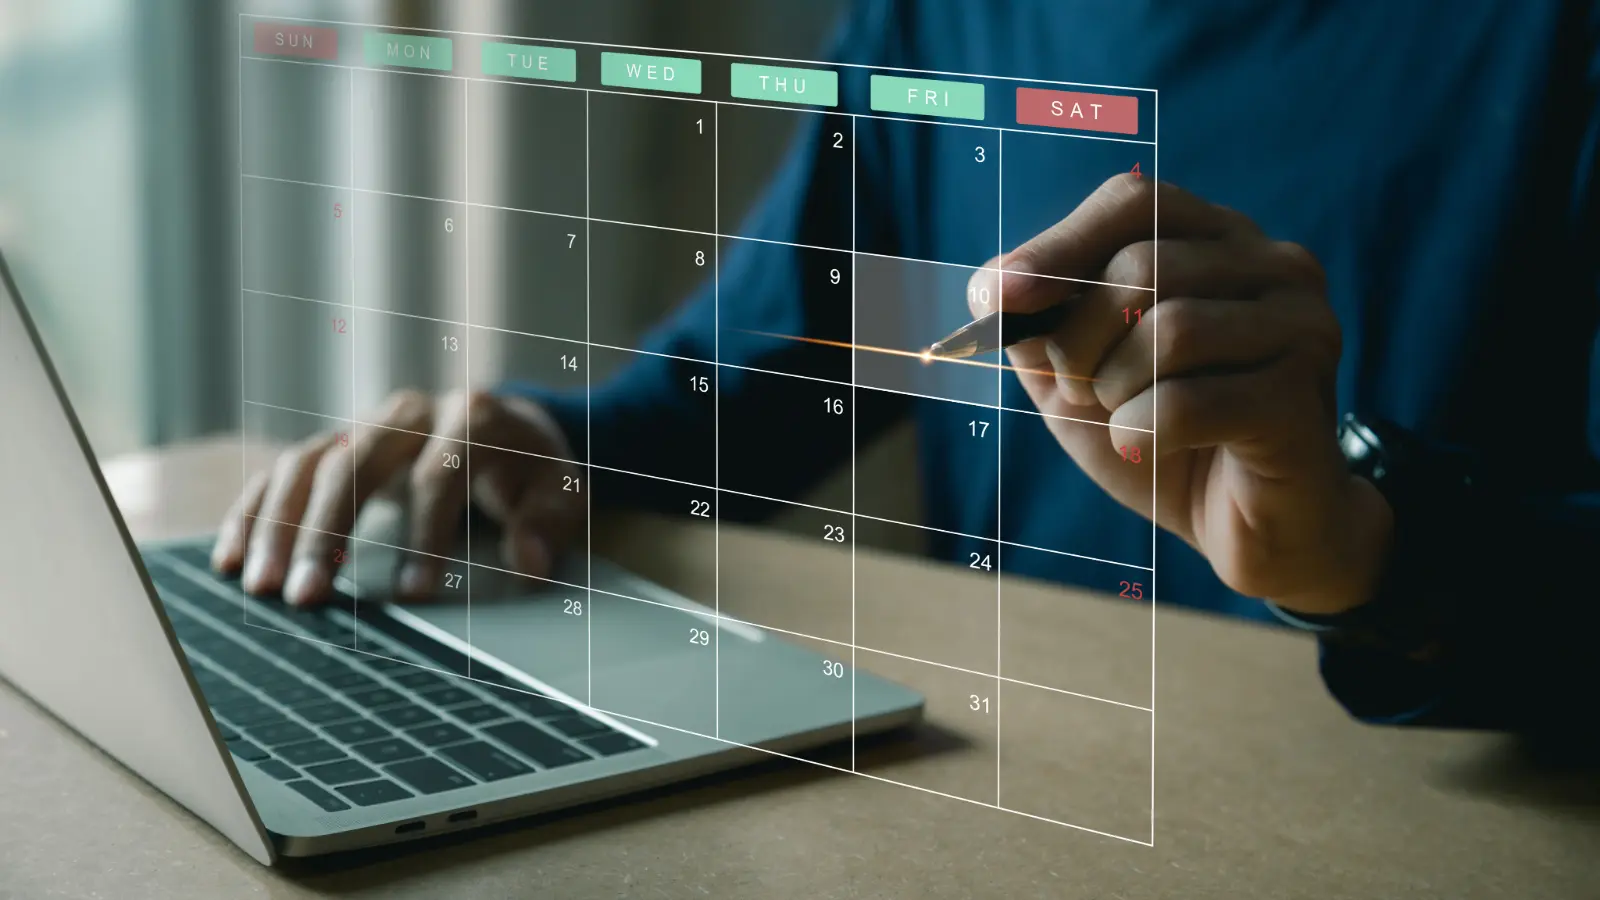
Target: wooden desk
x=1263, y=788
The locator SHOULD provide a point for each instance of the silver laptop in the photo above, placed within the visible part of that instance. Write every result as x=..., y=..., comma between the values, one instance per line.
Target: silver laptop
x=297, y=733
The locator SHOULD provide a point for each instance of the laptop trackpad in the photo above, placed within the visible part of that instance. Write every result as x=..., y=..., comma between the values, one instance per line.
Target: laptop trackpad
x=628, y=645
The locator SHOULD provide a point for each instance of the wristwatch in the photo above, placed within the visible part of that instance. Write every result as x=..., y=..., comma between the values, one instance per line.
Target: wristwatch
x=1429, y=487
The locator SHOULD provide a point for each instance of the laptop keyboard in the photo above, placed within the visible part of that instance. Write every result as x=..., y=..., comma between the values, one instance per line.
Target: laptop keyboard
x=345, y=728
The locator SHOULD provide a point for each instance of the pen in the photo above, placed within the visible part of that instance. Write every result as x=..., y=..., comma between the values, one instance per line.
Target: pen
x=987, y=332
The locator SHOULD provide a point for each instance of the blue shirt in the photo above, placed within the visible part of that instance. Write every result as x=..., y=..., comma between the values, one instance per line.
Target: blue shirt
x=1441, y=167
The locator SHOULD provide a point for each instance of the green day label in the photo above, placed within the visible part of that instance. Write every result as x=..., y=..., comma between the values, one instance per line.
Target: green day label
x=927, y=97
x=654, y=73
x=408, y=50
x=529, y=61
x=814, y=87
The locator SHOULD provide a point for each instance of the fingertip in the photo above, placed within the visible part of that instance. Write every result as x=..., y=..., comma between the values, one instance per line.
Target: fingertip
x=307, y=583
x=530, y=553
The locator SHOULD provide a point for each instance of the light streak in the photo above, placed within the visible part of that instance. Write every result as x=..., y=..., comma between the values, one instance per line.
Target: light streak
x=925, y=356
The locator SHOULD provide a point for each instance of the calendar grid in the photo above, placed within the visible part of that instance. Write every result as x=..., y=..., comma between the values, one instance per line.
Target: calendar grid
x=999, y=677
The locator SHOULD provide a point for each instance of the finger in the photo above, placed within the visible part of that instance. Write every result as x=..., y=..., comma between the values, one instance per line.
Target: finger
x=1107, y=315
x=1264, y=416
x=278, y=521
x=544, y=523
x=227, y=554
x=439, y=488
x=346, y=479
x=1183, y=335
x=1122, y=211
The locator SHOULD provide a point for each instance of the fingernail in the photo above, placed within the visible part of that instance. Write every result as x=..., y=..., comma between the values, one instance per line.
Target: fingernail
x=307, y=582
x=1058, y=360
x=416, y=579
x=255, y=572
x=220, y=557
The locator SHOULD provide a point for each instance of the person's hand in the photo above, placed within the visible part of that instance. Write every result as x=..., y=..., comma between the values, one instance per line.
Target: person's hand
x=1240, y=424
x=517, y=464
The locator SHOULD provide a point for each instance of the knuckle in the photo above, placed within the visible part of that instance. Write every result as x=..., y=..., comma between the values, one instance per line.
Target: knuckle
x=480, y=408
x=1174, y=326
x=1303, y=260
x=1133, y=266
x=407, y=403
x=334, y=462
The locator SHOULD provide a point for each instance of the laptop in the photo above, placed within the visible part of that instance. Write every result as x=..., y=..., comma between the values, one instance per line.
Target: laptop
x=362, y=723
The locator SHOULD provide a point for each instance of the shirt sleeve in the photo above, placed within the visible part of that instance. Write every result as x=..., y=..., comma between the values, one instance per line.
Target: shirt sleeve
x=764, y=288
x=1508, y=575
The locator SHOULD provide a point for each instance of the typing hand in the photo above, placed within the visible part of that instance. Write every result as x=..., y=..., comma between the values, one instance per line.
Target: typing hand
x=320, y=484
x=1246, y=349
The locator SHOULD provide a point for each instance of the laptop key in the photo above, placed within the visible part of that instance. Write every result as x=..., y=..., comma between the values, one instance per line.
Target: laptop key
x=247, y=751
x=309, y=752
x=372, y=793
x=344, y=771
x=277, y=770
x=319, y=796
x=247, y=713
x=536, y=745
x=349, y=680
x=375, y=698
x=447, y=696
x=577, y=726
x=326, y=713
x=484, y=761
x=479, y=713
x=357, y=732
x=437, y=735
x=226, y=733
x=419, y=681
x=406, y=716
x=533, y=704
x=277, y=734
x=386, y=664
x=429, y=776
x=387, y=750
x=611, y=743
x=197, y=555
x=299, y=694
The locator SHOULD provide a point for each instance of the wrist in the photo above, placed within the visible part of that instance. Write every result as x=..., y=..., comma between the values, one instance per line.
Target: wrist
x=1363, y=538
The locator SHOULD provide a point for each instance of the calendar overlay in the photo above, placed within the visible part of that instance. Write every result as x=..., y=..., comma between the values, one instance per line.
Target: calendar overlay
x=387, y=224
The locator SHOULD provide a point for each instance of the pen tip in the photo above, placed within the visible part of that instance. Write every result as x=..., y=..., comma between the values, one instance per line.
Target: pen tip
x=927, y=355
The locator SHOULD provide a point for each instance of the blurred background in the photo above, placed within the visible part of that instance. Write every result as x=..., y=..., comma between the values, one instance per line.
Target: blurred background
x=120, y=153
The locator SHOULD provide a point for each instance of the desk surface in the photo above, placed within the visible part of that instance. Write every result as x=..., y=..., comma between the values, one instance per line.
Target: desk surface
x=1263, y=788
